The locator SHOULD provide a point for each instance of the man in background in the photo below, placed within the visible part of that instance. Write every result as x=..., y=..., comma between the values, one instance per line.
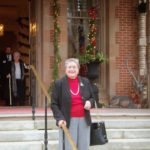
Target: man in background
x=5, y=69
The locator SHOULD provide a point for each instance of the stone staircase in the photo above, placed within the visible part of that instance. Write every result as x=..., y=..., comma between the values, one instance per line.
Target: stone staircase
x=127, y=129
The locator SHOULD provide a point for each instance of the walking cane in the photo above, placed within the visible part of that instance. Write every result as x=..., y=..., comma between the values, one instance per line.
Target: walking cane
x=10, y=96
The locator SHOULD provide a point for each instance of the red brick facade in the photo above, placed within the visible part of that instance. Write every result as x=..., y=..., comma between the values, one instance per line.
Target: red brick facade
x=127, y=41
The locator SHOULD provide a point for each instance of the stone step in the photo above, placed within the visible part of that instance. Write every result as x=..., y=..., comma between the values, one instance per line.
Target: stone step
x=29, y=135
x=38, y=135
x=124, y=144
x=17, y=125
x=103, y=113
x=110, y=123
x=115, y=144
x=26, y=125
x=34, y=145
x=126, y=123
x=128, y=133
x=120, y=113
x=37, y=145
x=40, y=124
x=126, y=130
x=119, y=144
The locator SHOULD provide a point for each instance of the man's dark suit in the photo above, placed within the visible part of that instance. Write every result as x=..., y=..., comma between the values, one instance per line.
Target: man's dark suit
x=5, y=69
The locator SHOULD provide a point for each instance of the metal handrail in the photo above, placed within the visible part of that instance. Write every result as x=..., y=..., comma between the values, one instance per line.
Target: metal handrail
x=66, y=131
x=33, y=108
x=46, y=133
x=40, y=83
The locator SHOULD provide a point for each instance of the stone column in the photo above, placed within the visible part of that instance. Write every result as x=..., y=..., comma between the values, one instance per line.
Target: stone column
x=148, y=52
x=142, y=43
x=142, y=53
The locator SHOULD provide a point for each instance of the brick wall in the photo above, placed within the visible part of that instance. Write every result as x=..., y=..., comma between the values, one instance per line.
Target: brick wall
x=126, y=39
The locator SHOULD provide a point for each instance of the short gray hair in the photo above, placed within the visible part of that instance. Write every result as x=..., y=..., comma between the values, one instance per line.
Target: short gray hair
x=17, y=52
x=75, y=60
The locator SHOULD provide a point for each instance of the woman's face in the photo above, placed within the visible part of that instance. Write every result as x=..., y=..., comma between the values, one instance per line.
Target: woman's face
x=72, y=70
x=16, y=57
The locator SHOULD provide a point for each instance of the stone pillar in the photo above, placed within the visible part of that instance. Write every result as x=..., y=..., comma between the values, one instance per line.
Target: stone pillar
x=142, y=44
x=114, y=48
x=148, y=52
x=142, y=53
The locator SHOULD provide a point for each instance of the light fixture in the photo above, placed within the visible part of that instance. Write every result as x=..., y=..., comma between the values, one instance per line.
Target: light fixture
x=1, y=29
x=33, y=28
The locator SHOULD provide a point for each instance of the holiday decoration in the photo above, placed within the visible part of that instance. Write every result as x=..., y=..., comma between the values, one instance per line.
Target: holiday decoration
x=91, y=53
x=57, y=58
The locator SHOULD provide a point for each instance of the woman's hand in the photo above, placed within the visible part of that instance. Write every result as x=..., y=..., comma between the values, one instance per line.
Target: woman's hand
x=8, y=76
x=27, y=66
x=61, y=122
x=87, y=105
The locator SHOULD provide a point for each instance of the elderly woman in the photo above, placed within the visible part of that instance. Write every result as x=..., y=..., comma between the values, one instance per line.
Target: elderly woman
x=72, y=99
x=17, y=75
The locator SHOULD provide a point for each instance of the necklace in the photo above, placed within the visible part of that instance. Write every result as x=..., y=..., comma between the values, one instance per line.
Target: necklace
x=76, y=92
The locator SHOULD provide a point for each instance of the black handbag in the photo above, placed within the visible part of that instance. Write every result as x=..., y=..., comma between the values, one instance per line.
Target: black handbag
x=98, y=135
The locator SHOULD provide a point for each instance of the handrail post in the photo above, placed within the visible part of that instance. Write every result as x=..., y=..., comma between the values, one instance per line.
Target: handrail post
x=33, y=108
x=46, y=133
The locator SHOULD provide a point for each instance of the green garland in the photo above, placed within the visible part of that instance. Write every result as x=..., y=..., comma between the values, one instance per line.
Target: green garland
x=91, y=47
x=57, y=58
x=91, y=53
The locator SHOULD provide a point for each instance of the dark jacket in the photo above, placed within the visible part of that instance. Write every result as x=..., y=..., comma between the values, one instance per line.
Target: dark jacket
x=5, y=66
x=5, y=69
x=61, y=99
x=13, y=77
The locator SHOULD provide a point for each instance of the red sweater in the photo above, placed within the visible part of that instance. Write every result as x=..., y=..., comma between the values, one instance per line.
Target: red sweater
x=77, y=107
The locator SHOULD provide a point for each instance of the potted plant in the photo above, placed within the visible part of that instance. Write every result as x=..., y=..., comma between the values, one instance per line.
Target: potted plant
x=92, y=57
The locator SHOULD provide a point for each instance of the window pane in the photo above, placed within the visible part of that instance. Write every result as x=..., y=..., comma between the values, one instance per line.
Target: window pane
x=78, y=25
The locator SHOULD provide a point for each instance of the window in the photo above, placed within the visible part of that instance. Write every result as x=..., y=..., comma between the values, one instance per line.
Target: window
x=78, y=25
